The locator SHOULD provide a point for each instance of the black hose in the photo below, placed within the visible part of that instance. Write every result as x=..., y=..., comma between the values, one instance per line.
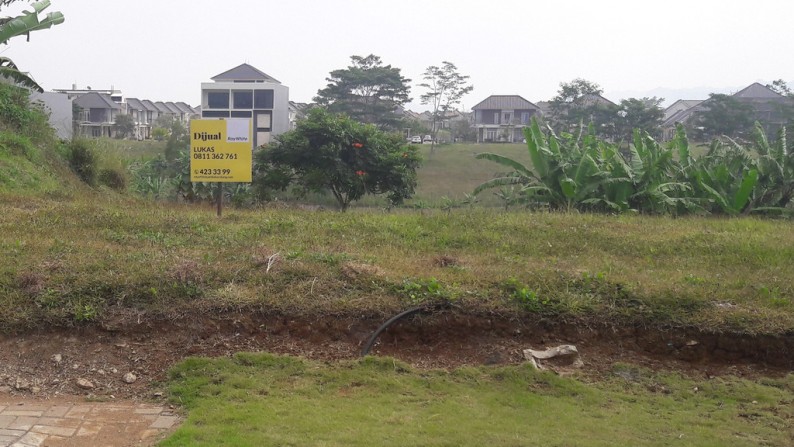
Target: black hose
x=390, y=321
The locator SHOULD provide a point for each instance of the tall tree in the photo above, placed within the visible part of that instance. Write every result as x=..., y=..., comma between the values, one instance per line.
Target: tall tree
x=580, y=102
x=724, y=115
x=645, y=114
x=367, y=91
x=445, y=88
x=23, y=25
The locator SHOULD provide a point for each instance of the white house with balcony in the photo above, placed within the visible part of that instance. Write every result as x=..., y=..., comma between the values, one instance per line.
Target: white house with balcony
x=246, y=92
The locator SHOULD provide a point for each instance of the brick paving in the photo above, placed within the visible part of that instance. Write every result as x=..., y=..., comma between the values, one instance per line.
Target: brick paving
x=31, y=423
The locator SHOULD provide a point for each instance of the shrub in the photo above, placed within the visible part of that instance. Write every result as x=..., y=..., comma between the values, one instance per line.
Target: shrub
x=113, y=178
x=83, y=160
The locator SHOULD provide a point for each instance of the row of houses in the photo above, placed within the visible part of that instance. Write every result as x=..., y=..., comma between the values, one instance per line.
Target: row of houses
x=502, y=118
x=94, y=112
x=247, y=92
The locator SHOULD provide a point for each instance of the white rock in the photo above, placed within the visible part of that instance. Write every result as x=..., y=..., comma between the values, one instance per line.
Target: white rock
x=129, y=378
x=57, y=358
x=85, y=384
x=561, y=356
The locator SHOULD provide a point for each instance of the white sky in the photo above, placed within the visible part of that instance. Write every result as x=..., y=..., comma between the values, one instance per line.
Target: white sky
x=163, y=50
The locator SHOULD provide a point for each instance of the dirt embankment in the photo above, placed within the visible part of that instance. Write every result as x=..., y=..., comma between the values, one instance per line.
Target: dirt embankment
x=53, y=362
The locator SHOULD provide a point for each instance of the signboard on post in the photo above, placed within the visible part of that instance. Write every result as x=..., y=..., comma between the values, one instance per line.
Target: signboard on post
x=221, y=150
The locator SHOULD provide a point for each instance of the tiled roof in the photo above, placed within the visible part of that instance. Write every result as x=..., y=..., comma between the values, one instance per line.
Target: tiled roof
x=95, y=100
x=135, y=104
x=756, y=90
x=150, y=107
x=244, y=72
x=162, y=108
x=505, y=102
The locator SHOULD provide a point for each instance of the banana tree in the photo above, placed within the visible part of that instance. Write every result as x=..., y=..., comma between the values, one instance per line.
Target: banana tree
x=775, y=170
x=23, y=25
x=565, y=173
x=654, y=171
x=726, y=176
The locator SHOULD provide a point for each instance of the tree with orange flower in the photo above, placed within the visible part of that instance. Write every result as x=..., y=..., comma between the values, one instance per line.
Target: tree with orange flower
x=335, y=154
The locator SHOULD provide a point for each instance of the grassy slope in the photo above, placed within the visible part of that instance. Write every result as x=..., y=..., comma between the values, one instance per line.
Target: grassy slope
x=71, y=255
x=262, y=400
x=66, y=261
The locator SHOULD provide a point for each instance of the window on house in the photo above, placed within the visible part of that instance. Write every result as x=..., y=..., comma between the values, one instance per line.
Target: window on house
x=496, y=118
x=243, y=99
x=524, y=117
x=263, y=99
x=507, y=118
x=241, y=114
x=218, y=100
x=214, y=114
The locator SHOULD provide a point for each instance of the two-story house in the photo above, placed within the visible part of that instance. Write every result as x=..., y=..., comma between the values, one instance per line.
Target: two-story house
x=96, y=115
x=137, y=111
x=502, y=118
x=246, y=92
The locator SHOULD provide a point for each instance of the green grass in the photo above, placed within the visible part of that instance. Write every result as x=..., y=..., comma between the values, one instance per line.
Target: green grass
x=452, y=171
x=264, y=400
x=70, y=261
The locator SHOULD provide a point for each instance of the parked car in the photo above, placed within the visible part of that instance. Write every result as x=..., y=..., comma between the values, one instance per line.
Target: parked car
x=427, y=139
x=416, y=139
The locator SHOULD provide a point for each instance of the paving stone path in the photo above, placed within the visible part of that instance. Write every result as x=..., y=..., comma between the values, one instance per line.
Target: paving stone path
x=64, y=423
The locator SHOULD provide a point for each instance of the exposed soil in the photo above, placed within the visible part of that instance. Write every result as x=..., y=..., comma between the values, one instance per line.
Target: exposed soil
x=49, y=364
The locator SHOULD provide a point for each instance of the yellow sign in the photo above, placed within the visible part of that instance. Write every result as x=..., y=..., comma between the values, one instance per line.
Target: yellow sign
x=220, y=150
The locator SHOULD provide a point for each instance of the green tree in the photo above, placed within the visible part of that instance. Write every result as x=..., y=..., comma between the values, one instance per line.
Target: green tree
x=445, y=87
x=367, y=91
x=462, y=130
x=781, y=87
x=124, y=125
x=645, y=114
x=724, y=115
x=329, y=152
x=178, y=140
x=23, y=25
x=580, y=102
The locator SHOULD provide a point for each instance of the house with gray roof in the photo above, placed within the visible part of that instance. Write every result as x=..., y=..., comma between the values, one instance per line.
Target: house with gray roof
x=96, y=115
x=138, y=112
x=247, y=92
x=151, y=111
x=502, y=118
x=770, y=109
x=678, y=112
x=188, y=111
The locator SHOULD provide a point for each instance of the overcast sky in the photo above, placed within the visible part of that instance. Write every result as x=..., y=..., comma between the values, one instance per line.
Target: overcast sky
x=163, y=50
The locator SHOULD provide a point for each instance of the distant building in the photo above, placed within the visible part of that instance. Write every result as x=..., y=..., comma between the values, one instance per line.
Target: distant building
x=246, y=92
x=502, y=118
x=769, y=109
x=59, y=108
x=97, y=115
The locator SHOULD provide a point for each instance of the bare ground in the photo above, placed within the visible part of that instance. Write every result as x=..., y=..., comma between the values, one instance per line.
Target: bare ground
x=49, y=364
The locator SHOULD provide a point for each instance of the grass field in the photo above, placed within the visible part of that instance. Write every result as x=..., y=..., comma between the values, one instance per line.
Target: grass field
x=72, y=256
x=263, y=400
